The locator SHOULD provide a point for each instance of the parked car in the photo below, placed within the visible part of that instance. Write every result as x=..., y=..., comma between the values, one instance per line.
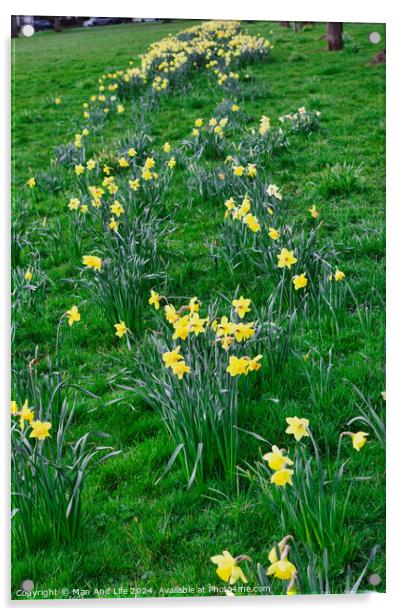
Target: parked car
x=98, y=21
x=42, y=24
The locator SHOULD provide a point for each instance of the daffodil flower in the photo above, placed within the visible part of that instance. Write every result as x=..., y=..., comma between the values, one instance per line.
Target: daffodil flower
x=276, y=460
x=228, y=567
x=73, y=315
x=297, y=427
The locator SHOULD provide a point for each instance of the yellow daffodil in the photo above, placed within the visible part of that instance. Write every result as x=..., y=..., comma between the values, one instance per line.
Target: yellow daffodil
x=244, y=331
x=31, y=182
x=237, y=365
x=113, y=225
x=92, y=262
x=40, y=430
x=25, y=414
x=254, y=363
x=313, y=211
x=273, y=555
x=57, y=100
x=120, y=108
x=73, y=204
x=199, y=122
x=276, y=460
x=146, y=175
x=297, y=427
x=274, y=234
x=196, y=324
x=171, y=314
x=225, y=327
x=172, y=357
x=117, y=209
x=245, y=207
x=73, y=315
x=251, y=170
x=300, y=281
x=121, y=329
x=339, y=275
x=194, y=304
x=359, y=439
x=14, y=407
x=28, y=275
x=122, y=162
x=238, y=170
x=154, y=299
x=273, y=191
x=167, y=147
x=286, y=258
x=149, y=163
x=282, y=477
x=79, y=169
x=84, y=208
x=230, y=205
x=134, y=184
x=91, y=164
x=226, y=341
x=132, y=152
x=241, y=306
x=181, y=327
x=180, y=369
x=265, y=124
x=171, y=163
x=228, y=567
x=235, y=108
x=282, y=569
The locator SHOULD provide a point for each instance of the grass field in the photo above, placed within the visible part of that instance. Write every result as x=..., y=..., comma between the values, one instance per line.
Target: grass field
x=161, y=536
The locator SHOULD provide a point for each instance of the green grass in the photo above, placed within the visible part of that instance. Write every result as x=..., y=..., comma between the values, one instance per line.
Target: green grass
x=161, y=535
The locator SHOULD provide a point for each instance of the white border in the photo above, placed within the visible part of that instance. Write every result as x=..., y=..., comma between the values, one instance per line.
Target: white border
x=341, y=10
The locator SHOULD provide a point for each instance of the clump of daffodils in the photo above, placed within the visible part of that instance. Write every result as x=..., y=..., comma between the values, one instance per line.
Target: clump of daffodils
x=241, y=212
x=279, y=462
x=26, y=415
x=302, y=121
x=186, y=322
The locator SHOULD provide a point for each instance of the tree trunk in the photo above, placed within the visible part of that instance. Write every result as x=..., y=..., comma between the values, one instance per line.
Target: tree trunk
x=334, y=35
x=57, y=25
x=14, y=26
x=285, y=24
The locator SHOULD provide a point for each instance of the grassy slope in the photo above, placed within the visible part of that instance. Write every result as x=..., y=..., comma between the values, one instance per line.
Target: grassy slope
x=164, y=535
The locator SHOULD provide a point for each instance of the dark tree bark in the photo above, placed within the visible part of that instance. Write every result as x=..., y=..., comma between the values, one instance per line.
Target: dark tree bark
x=14, y=26
x=57, y=25
x=334, y=35
x=285, y=24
